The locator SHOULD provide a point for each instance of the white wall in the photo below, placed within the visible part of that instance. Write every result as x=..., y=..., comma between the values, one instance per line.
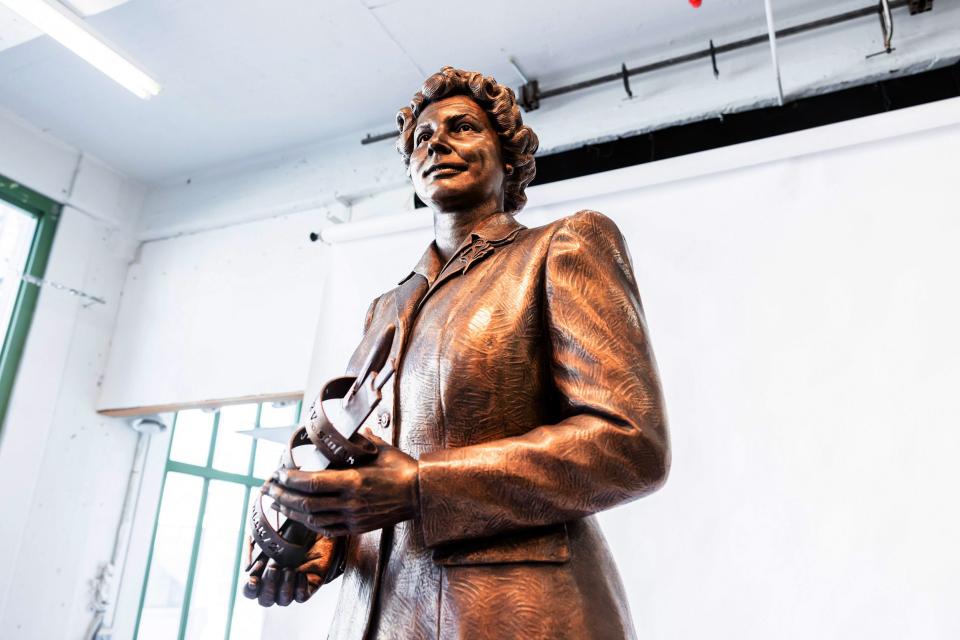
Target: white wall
x=803, y=315
x=63, y=468
x=217, y=315
x=806, y=335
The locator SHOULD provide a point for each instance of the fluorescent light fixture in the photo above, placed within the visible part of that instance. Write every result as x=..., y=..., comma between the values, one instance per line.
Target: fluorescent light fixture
x=62, y=25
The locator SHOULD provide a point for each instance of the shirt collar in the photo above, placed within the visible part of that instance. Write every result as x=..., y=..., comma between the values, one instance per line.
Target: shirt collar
x=496, y=229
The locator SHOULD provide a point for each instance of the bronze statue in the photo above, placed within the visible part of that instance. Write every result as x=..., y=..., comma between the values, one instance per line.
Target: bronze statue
x=526, y=399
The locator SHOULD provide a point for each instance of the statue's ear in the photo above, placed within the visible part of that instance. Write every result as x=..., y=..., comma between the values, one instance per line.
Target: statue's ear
x=507, y=169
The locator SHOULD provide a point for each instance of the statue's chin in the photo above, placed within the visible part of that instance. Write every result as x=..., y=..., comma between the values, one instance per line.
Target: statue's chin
x=452, y=198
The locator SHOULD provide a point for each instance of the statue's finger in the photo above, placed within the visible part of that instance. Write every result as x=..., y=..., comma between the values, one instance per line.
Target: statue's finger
x=254, y=579
x=313, y=520
x=332, y=531
x=374, y=438
x=249, y=553
x=288, y=582
x=306, y=503
x=251, y=589
x=303, y=502
x=314, y=582
x=330, y=482
x=268, y=585
x=300, y=591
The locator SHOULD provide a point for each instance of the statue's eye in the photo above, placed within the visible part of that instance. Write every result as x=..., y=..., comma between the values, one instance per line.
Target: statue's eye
x=424, y=135
x=465, y=126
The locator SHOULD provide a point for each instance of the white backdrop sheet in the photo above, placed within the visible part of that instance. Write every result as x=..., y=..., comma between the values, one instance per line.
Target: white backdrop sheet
x=804, y=314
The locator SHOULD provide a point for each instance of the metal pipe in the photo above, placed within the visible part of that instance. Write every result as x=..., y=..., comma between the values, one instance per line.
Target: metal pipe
x=772, y=32
x=377, y=137
x=813, y=25
x=516, y=67
x=104, y=604
x=886, y=23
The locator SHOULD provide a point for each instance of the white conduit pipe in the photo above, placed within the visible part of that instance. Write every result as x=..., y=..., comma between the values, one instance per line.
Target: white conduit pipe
x=772, y=32
x=105, y=591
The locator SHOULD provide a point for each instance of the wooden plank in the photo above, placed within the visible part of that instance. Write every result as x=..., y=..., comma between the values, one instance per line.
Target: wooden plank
x=121, y=412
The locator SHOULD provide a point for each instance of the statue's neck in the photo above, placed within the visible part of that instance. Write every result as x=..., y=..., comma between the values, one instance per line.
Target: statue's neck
x=451, y=228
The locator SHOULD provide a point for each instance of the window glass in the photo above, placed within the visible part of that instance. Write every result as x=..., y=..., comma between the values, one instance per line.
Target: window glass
x=191, y=437
x=248, y=616
x=233, y=449
x=16, y=235
x=279, y=414
x=268, y=458
x=276, y=416
x=170, y=563
x=195, y=578
x=216, y=561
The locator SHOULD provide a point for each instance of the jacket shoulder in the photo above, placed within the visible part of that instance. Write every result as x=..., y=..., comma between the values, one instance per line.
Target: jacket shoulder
x=588, y=226
x=585, y=221
x=590, y=235
x=382, y=302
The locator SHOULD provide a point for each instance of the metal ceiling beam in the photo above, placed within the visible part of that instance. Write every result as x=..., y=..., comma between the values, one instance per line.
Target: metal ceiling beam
x=706, y=53
x=772, y=34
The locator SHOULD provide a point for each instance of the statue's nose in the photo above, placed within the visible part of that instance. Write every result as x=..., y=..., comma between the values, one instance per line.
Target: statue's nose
x=438, y=145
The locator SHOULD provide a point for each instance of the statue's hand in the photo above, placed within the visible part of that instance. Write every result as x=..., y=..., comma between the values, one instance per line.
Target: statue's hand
x=348, y=501
x=271, y=584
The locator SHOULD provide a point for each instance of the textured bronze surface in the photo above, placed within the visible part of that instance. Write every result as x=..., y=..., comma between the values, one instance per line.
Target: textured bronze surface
x=526, y=399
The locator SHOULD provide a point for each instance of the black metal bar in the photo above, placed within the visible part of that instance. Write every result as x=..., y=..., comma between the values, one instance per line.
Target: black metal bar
x=723, y=48
x=693, y=56
x=713, y=60
x=626, y=79
x=377, y=137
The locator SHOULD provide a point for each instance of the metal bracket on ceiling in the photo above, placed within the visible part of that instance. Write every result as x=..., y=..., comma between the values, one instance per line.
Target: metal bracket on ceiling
x=772, y=36
x=713, y=60
x=530, y=96
x=919, y=6
x=626, y=80
x=529, y=90
x=886, y=27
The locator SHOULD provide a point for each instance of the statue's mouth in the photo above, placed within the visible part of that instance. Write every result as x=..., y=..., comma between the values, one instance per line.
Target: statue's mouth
x=445, y=168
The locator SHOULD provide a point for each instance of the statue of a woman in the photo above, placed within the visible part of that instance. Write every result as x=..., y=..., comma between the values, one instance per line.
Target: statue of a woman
x=526, y=399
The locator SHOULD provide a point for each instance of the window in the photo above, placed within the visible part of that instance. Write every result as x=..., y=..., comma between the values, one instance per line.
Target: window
x=28, y=222
x=192, y=588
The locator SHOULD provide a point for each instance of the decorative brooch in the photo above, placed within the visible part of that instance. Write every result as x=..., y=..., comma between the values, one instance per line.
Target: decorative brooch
x=476, y=251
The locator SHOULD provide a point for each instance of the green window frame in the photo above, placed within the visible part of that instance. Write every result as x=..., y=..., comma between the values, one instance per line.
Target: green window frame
x=47, y=214
x=207, y=472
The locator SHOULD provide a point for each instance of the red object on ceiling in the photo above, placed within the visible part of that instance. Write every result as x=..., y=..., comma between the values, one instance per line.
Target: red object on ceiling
x=696, y=3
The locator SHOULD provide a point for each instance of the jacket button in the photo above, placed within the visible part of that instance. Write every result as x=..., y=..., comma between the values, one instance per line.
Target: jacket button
x=383, y=420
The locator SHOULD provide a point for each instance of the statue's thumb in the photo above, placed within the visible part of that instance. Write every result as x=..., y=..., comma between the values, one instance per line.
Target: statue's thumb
x=369, y=435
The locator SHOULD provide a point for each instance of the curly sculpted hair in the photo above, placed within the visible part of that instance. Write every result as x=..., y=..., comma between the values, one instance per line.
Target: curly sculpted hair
x=518, y=142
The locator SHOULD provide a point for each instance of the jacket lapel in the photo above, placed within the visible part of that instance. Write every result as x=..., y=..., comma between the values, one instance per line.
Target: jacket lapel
x=494, y=232
x=409, y=295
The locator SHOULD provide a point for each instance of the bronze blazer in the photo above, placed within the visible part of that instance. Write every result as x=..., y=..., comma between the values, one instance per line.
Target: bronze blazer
x=528, y=391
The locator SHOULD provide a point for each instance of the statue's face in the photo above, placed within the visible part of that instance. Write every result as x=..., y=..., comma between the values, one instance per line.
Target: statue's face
x=456, y=160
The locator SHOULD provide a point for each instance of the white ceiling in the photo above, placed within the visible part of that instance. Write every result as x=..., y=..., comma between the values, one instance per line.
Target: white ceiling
x=15, y=30
x=244, y=78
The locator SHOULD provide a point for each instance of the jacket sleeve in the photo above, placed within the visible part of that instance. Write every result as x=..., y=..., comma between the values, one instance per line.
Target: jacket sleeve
x=611, y=444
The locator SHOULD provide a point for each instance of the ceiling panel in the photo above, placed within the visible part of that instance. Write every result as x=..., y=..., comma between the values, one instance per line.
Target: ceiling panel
x=247, y=78
x=238, y=79
x=15, y=30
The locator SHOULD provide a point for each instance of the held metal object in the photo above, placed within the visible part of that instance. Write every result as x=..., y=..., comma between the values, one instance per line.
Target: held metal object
x=325, y=442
